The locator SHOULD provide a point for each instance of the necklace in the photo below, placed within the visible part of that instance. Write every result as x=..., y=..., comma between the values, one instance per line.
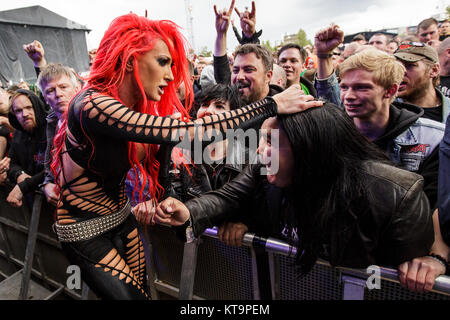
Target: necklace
x=213, y=168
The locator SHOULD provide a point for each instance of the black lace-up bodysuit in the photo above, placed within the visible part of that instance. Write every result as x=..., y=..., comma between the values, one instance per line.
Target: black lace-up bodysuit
x=94, y=164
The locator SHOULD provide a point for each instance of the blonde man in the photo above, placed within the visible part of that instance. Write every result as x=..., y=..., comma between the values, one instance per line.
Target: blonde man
x=58, y=85
x=369, y=83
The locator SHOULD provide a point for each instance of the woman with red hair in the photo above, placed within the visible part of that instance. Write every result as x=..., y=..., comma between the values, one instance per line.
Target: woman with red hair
x=130, y=94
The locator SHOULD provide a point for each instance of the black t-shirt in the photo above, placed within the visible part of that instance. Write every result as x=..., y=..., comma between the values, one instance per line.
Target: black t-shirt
x=444, y=87
x=434, y=113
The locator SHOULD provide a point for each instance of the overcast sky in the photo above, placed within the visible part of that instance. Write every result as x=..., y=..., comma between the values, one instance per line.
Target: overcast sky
x=275, y=17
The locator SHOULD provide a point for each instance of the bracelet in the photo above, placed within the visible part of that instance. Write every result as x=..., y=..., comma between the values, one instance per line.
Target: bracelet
x=324, y=55
x=441, y=260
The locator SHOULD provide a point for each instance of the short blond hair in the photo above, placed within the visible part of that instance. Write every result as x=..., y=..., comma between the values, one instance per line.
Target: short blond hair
x=385, y=68
x=54, y=71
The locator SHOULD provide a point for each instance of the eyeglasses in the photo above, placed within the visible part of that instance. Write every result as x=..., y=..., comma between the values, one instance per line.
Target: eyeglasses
x=407, y=45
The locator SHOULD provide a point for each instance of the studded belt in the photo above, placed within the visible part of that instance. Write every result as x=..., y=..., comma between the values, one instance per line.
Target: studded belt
x=91, y=228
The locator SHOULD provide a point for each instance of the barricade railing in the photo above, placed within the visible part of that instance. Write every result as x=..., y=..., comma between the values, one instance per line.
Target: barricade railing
x=323, y=282
x=26, y=234
x=209, y=269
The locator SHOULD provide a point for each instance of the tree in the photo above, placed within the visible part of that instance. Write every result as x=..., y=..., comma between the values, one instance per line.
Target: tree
x=205, y=52
x=302, y=39
x=268, y=45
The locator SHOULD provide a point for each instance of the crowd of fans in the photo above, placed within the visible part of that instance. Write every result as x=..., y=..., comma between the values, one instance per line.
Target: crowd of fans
x=362, y=180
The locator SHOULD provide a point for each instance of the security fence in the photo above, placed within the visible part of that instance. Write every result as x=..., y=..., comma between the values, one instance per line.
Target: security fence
x=207, y=269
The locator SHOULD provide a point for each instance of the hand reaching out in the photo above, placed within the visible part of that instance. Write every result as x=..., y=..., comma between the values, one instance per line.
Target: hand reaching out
x=144, y=212
x=248, y=20
x=328, y=39
x=172, y=212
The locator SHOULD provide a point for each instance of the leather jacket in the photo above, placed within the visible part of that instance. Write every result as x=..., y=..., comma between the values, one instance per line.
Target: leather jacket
x=396, y=228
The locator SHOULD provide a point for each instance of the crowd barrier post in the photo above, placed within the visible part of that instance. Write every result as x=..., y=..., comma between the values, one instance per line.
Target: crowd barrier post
x=188, y=269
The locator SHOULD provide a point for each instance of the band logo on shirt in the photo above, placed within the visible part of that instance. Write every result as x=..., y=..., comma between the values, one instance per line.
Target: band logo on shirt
x=420, y=148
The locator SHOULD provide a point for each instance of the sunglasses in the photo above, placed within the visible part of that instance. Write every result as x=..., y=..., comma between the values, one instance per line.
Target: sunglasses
x=407, y=45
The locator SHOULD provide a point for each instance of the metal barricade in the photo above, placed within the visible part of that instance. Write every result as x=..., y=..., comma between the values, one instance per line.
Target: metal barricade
x=28, y=242
x=228, y=273
x=221, y=272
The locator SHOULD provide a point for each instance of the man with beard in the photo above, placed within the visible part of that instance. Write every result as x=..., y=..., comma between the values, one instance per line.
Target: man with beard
x=252, y=72
x=27, y=115
x=369, y=84
x=421, y=79
x=253, y=65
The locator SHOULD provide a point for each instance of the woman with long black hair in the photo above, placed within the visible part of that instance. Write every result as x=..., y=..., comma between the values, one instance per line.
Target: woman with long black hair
x=329, y=189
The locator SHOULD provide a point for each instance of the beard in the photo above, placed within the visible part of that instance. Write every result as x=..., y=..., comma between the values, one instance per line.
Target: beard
x=418, y=90
x=251, y=96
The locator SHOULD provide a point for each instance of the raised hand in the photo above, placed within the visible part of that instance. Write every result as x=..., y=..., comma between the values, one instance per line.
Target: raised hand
x=248, y=20
x=223, y=18
x=293, y=100
x=36, y=52
x=172, y=212
x=326, y=40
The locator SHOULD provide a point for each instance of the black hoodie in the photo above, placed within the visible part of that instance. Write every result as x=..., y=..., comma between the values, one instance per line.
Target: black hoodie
x=401, y=116
x=28, y=149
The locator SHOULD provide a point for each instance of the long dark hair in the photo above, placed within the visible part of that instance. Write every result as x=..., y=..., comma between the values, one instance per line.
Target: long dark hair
x=220, y=92
x=329, y=153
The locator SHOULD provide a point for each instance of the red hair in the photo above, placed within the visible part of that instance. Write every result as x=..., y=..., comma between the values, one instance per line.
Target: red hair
x=127, y=38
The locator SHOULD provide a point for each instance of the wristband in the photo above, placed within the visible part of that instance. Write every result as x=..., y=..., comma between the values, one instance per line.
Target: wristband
x=441, y=260
x=324, y=55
